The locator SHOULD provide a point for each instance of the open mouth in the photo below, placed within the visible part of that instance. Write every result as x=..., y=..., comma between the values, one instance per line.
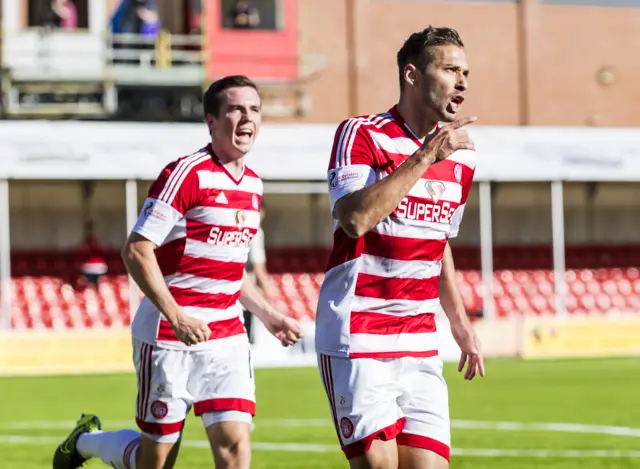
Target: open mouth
x=244, y=133
x=456, y=103
x=457, y=100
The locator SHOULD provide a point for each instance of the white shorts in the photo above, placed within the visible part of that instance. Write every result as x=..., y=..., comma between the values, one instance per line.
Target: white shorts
x=170, y=382
x=385, y=398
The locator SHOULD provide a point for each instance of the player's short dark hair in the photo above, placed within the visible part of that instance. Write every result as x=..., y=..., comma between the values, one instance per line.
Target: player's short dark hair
x=416, y=50
x=212, y=99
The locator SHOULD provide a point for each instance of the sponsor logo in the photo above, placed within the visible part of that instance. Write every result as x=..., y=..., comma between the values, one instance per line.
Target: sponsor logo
x=346, y=427
x=236, y=239
x=424, y=211
x=222, y=199
x=148, y=207
x=148, y=211
x=159, y=409
x=341, y=179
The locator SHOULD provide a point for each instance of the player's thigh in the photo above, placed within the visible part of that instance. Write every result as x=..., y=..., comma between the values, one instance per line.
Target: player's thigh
x=410, y=457
x=425, y=405
x=225, y=399
x=163, y=401
x=362, y=396
x=229, y=440
x=154, y=455
x=381, y=455
x=223, y=380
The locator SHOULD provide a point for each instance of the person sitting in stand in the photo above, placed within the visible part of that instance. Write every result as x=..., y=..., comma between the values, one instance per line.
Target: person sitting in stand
x=94, y=264
x=243, y=15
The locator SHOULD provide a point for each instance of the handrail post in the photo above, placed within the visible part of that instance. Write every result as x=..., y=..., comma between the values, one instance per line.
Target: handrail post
x=163, y=49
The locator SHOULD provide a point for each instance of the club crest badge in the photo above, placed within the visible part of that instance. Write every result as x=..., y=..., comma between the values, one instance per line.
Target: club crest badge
x=435, y=189
x=159, y=409
x=346, y=426
x=241, y=217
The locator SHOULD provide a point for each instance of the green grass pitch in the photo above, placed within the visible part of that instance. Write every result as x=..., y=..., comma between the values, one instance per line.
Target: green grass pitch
x=293, y=430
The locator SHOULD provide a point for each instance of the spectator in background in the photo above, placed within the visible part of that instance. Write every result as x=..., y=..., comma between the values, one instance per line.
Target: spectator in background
x=136, y=17
x=243, y=15
x=257, y=268
x=61, y=14
x=94, y=264
x=149, y=19
x=195, y=17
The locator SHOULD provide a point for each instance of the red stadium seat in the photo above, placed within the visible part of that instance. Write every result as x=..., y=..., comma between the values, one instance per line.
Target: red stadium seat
x=599, y=280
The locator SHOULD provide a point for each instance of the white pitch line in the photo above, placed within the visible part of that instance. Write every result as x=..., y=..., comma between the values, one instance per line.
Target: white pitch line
x=548, y=427
x=114, y=424
x=544, y=453
x=317, y=448
x=289, y=423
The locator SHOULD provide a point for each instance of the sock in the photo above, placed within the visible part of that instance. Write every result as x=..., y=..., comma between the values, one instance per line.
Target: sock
x=117, y=449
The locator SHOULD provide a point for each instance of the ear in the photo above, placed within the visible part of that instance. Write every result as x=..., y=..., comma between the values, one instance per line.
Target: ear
x=210, y=120
x=410, y=74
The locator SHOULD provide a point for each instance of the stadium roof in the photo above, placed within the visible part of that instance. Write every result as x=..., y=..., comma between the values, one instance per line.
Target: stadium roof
x=117, y=150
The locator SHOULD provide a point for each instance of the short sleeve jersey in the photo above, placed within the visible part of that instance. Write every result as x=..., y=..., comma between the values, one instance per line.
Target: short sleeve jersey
x=380, y=291
x=203, y=221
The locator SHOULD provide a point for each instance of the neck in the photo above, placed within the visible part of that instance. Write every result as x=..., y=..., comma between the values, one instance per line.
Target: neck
x=418, y=121
x=234, y=165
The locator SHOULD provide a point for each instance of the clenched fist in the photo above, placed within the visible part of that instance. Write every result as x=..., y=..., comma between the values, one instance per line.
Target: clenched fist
x=190, y=330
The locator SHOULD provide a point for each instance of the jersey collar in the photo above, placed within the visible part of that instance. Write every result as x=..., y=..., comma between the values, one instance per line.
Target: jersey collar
x=405, y=127
x=217, y=161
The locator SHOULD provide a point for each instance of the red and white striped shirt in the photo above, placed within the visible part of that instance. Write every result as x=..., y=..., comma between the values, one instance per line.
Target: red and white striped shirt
x=380, y=292
x=203, y=221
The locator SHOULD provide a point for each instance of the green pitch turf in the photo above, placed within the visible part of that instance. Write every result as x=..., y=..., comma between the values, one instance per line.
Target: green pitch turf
x=600, y=397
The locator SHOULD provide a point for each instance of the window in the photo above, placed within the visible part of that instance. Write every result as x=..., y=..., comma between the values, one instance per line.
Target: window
x=66, y=15
x=251, y=14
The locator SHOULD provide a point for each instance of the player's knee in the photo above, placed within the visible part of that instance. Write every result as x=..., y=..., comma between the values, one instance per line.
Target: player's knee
x=234, y=455
x=381, y=455
x=154, y=454
x=382, y=460
x=229, y=439
x=153, y=460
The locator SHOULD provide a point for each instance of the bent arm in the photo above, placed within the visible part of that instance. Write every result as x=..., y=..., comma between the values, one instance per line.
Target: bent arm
x=262, y=278
x=450, y=297
x=141, y=263
x=254, y=302
x=363, y=209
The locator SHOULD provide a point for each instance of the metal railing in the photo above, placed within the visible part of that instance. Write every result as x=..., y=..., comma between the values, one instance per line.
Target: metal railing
x=165, y=50
x=60, y=67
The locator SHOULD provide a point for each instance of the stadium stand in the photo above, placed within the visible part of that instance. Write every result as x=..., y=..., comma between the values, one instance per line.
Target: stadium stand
x=600, y=279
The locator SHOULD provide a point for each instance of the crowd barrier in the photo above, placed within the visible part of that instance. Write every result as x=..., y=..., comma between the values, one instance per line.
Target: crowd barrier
x=543, y=337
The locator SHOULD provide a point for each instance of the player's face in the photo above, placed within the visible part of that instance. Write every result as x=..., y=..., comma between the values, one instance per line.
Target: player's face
x=236, y=127
x=442, y=86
